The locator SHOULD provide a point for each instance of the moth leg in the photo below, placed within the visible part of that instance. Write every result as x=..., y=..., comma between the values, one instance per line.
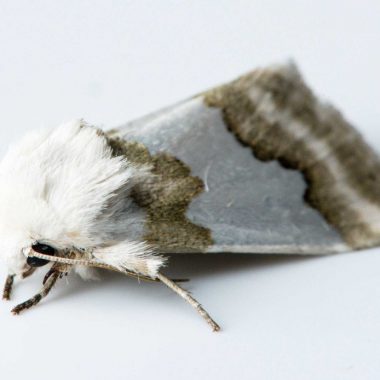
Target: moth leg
x=192, y=301
x=7, y=290
x=28, y=272
x=8, y=286
x=48, y=285
x=61, y=269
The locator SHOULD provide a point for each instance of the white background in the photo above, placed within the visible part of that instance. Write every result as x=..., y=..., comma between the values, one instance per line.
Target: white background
x=111, y=61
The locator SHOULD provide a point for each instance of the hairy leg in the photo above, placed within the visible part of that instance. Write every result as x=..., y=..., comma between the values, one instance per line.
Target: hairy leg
x=57, y=271
x=49, y=283
x=28, y=272
x=8, y=286
x=7, y=290
x=61, y=269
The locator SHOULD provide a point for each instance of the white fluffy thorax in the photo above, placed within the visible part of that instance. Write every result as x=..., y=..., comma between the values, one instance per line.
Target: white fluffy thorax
x=65, y=188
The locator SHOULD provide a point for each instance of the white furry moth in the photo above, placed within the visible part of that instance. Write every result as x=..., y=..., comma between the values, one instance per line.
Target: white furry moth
x=258, y=165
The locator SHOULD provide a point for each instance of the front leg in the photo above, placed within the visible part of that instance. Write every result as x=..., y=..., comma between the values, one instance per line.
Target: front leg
x=28, y=272
x=48, y=285
x=56, y=271
x=8, y=286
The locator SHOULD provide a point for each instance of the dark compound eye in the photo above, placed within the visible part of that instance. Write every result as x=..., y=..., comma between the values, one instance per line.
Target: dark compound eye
x=40, y=248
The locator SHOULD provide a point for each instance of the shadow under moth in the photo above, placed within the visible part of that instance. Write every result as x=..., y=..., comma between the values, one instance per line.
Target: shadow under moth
x=258, y=165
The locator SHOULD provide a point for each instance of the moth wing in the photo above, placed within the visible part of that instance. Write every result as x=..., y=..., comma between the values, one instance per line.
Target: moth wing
x=259, y=165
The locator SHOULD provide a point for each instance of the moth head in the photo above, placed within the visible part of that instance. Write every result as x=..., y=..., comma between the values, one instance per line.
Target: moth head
x=64, y=189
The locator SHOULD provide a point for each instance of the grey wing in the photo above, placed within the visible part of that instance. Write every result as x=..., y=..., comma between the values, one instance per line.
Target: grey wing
x=271, y=161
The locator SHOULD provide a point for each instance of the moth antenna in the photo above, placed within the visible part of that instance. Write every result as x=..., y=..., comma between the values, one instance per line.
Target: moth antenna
x=89, y=263
x=97, y=264
x=192, y=301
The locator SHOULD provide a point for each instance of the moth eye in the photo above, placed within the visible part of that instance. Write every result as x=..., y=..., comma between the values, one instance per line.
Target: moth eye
x=40, y=248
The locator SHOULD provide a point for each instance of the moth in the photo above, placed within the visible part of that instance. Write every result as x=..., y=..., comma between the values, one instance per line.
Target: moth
x=258, y=165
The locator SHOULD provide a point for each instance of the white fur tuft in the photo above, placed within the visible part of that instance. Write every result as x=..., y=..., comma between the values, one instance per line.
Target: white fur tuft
x=65, y=188
x=134, y=256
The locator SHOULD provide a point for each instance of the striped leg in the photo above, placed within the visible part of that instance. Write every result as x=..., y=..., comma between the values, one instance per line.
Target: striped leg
x=49, y=283
x=28, y=272
x=8, y=286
